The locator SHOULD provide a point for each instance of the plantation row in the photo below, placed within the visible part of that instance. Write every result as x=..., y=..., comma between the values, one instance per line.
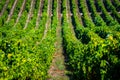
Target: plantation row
x=94, y=55
x=90, y=32
x=24, y=53
x=105, y=8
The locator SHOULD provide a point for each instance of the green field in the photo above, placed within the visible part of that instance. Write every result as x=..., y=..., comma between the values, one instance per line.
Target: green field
x=87, y=33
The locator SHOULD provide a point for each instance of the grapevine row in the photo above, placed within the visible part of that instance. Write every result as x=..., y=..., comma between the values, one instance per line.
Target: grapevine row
x=89, y=57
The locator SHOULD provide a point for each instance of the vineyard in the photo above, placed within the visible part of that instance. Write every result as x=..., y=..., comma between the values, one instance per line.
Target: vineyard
x=86, y=31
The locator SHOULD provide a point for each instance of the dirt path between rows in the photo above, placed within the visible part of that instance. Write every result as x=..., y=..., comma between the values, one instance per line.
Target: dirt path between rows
x=5, y=6
x=20, y=13
x=48, y=23
x=30, y=13
x=12, y=10
x=39, y=13
x=57, y=69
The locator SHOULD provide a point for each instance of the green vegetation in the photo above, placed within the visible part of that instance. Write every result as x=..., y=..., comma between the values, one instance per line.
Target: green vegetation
x=91, y=40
